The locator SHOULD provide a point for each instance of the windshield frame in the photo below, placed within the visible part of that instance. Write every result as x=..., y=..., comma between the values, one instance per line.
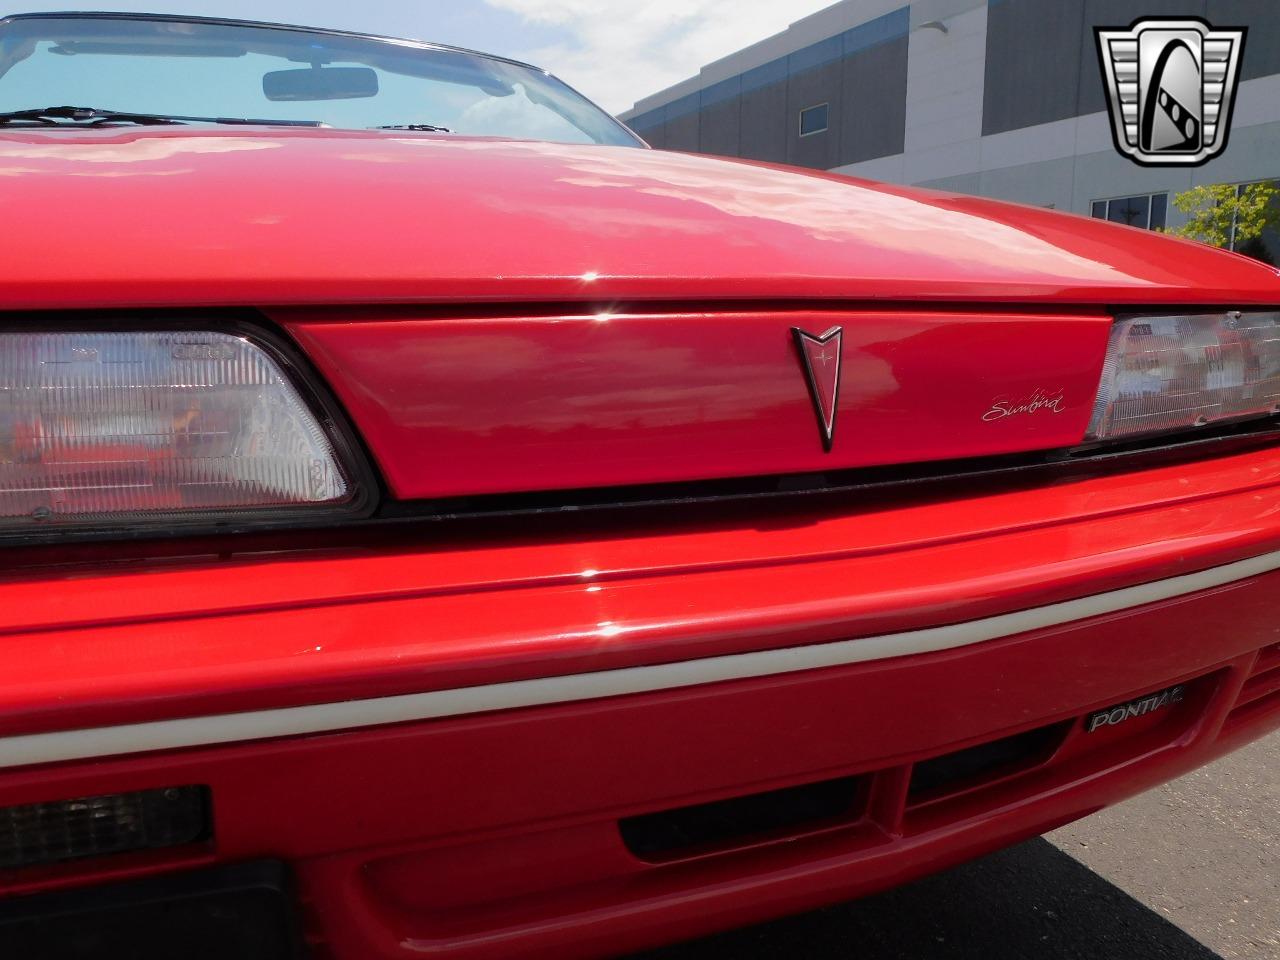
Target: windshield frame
x=402, y=42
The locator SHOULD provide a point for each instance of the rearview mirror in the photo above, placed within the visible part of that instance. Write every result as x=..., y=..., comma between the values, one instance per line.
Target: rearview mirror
x=321, y=83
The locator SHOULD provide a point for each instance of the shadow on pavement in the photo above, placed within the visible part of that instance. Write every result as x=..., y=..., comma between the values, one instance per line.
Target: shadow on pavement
x=1032, y=901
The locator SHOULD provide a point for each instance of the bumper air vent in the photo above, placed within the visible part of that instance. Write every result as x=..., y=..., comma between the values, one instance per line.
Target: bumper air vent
x=1261, y=692
x=745, y=820
x=243, y=911
x=986, y=763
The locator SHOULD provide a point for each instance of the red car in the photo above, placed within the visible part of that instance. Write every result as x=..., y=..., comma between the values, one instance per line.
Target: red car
x=438, y=524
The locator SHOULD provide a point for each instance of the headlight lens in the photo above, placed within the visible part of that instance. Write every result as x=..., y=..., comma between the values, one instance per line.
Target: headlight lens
x=99, y=428
x=1177, y=372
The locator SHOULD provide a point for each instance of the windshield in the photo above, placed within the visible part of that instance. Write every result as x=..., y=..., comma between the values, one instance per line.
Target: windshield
x=216, y=69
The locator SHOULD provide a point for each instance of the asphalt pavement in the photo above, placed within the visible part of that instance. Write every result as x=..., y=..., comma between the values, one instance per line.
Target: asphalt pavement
x=1189, y=871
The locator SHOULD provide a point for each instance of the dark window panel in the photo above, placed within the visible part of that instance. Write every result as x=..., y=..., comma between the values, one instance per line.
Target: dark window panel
x=650, y=126
x=1260, y=248
x=720, y=128
x=1148, y=211
x=756, y=114
x=808, y=89
x=719, y=123
x=1131, y=211
x=763, y=124
x=1265, y=248
x=1159, y=210
x=1262, y=46
x=814, y=120
x=682, y=124
x=682, y=134
x=871, y=120
x=1033, y=63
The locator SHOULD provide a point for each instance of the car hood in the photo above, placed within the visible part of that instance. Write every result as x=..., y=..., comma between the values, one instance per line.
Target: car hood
x=271, y=217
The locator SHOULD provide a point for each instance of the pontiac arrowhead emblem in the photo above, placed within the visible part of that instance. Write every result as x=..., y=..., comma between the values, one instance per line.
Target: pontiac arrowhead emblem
x=821, y=356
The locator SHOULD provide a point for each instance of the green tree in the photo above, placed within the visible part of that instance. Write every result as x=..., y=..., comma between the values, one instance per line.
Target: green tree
x=1225, y=215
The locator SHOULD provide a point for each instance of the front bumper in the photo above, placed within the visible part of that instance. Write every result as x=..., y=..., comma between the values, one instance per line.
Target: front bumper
x=443, y=742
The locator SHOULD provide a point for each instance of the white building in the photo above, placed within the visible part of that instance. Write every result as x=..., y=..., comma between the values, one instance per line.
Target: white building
x=1002, y=98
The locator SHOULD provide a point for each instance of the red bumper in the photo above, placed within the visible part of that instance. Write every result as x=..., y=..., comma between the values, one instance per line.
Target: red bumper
x=520, y=697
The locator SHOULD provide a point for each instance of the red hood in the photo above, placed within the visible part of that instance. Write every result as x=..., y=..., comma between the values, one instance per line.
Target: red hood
x=199, y=216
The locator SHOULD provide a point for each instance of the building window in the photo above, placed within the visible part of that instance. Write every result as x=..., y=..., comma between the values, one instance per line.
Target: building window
x=813, y=120
x=1266, y=247
x=1148, y=211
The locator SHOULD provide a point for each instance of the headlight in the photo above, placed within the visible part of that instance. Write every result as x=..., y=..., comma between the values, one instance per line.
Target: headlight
x=158, y=427
x=1175, y=373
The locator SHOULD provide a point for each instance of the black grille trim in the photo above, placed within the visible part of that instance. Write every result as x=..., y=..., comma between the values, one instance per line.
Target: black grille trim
x=987, y=762
x=744, y=820
x=919, y=479
x=244, y=911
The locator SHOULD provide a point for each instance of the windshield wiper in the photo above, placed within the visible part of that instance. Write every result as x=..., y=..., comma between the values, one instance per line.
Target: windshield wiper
x=94, y=116
x=415, y=127
x=50, y=115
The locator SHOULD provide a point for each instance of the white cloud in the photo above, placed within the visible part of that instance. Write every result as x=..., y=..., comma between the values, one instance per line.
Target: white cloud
x=619, y=51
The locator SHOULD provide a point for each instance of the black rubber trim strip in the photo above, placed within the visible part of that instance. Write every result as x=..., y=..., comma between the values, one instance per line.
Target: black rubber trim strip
x=920, y=479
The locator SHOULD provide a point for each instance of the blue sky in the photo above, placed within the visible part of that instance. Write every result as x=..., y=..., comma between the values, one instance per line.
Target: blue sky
x=614, y=51
x=469, y=23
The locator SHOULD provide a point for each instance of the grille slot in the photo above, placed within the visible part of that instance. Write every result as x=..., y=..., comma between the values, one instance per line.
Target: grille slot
x=741, y=821
x=977, y=766
x=1265, y=678
x=244, y=911
x=1261, y=691
x=1260, y=685
x=43, y=833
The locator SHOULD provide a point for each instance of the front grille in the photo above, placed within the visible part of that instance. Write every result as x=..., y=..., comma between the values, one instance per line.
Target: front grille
x=244, y=911
x=985, y=763
x=44, y=833
x=741, y=821
x=1261, y=691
